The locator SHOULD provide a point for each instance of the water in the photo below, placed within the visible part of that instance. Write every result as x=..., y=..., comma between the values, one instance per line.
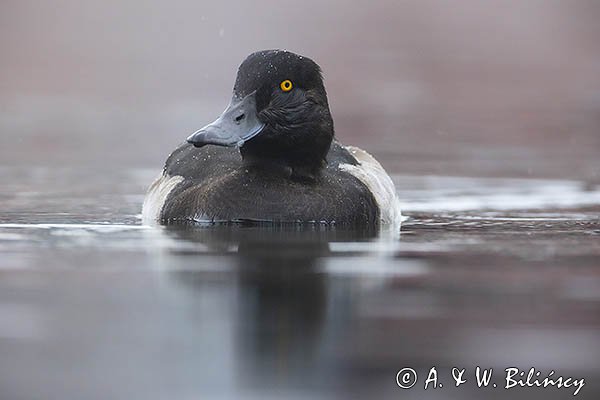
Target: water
x=485, y=272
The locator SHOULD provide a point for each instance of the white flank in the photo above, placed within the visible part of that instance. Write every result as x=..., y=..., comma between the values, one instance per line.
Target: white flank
x=372, y=174
x=156, y=197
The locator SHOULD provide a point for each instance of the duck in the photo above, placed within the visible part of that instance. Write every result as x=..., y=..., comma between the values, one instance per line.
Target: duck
x=272, y=157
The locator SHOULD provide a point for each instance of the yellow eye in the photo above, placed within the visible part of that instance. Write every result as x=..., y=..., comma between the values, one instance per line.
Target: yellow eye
x=286, y=85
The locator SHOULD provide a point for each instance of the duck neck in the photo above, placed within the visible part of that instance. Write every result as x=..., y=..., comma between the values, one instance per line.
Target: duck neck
x=296, y=168
x=301, y=161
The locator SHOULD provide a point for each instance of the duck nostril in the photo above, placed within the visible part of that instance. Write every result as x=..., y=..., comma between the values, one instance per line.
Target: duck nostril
x=240, y=117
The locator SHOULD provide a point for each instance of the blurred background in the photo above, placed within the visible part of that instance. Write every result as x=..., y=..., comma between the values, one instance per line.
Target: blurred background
x=486, y=114
x=431, y=87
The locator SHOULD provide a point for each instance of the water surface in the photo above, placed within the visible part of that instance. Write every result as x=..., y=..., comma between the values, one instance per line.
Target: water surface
x=485, y=272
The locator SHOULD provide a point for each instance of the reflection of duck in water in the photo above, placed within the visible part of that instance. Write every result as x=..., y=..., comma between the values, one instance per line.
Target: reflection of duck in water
x=282, y=306
x=291, y=169
x=282, y=327
x=252, y=238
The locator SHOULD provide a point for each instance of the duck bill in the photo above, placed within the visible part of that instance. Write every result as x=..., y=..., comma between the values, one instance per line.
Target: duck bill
x=238, y=124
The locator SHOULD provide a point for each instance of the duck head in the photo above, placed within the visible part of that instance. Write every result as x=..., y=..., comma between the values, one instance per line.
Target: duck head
x=278, y=114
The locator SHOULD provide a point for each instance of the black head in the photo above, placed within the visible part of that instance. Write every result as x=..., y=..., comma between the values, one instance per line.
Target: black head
x=278, y=113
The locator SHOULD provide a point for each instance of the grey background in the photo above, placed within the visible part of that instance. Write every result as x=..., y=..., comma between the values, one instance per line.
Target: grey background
x=431, y=87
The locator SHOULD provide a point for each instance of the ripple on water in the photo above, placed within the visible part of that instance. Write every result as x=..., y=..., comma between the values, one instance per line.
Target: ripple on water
x=71, y=209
